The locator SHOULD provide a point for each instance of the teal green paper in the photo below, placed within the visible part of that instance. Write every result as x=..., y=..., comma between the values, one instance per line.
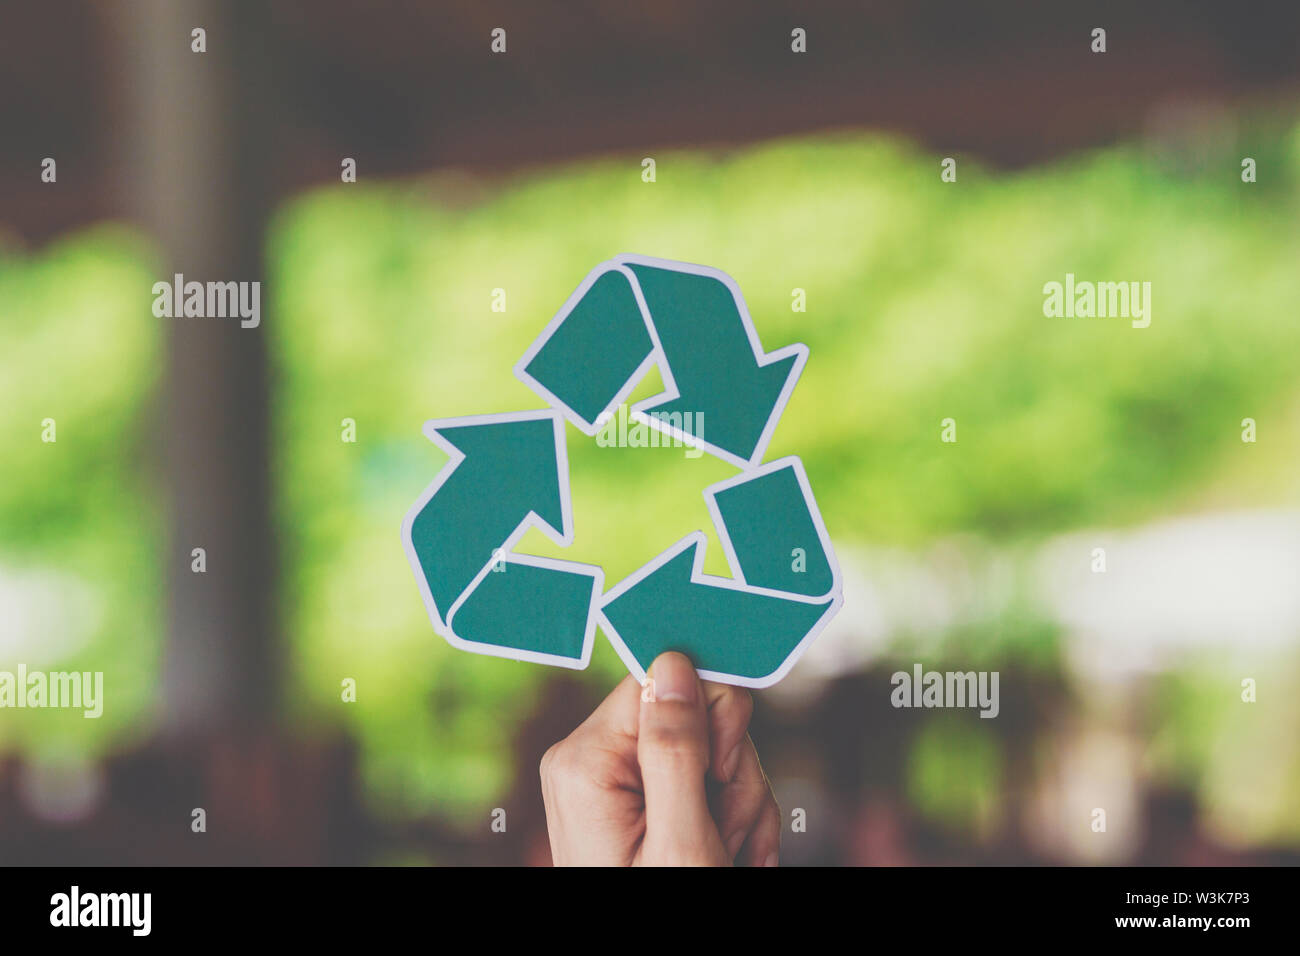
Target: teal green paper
x=722, y=630
x=535, y=609
x=705, y=345
x=771, y=529
x=598, y=348
x=509, y=472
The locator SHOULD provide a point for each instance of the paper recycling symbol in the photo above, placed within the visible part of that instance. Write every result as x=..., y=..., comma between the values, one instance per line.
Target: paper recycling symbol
x=510, y=472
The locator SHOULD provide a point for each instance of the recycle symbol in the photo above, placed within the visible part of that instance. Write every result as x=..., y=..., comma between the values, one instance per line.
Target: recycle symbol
x=509, y=472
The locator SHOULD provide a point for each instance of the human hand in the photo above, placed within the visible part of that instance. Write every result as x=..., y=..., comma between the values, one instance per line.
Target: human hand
x=662, y=776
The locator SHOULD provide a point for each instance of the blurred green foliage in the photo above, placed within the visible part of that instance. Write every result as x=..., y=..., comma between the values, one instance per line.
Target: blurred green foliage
x=80, y=525
x=924, y=301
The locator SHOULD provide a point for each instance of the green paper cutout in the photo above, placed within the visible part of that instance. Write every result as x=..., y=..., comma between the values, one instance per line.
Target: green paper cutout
x=606, y=323
x=705, y=345
x=508, y=470
x=541, y=610
x=723, y=631
x=509, y=473
x=767, y=520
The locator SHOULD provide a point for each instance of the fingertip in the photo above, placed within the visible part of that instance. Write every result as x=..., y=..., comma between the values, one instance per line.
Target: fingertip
x=672, y=677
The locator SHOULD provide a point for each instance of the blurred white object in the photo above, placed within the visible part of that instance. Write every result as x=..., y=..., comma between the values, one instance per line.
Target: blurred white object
x=1227, y=581
x=1224, y=581
x=45, y=616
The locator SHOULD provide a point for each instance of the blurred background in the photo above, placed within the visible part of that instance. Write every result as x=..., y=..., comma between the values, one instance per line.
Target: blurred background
x=520, y=171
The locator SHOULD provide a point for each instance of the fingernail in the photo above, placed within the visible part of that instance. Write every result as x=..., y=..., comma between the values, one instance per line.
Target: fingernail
x=674, y=679
x=771, y=860
x=729, y=764
x=734, y=843
x=648, y=691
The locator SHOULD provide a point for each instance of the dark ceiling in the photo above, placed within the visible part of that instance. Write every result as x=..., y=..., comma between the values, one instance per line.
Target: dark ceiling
x=408, y=86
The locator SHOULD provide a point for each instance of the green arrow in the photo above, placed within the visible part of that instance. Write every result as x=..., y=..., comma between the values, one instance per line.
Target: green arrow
x=507, y=473
x=721, y=390
x=502, y=470
x=728, y=632
x=772, y=533
x=543, y=609
x=594, y=350
x=717, y=367
x=751, y=628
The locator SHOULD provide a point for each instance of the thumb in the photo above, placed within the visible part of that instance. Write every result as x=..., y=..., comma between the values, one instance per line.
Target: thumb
x=673, y=751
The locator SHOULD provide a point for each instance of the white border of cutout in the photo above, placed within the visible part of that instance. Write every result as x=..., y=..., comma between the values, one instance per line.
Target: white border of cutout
x=561, y=536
